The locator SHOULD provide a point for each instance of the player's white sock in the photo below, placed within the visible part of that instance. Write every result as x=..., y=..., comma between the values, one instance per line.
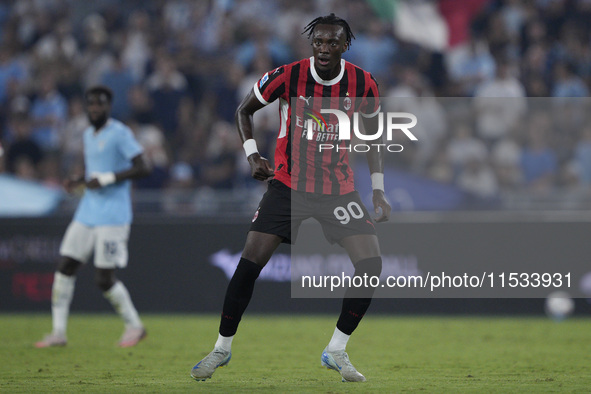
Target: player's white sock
x=62, y=292
x=338, y=341
x=119, y=297
x=224, y=342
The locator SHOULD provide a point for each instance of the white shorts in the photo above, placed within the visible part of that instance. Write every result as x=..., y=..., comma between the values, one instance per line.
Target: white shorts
x=108, y=243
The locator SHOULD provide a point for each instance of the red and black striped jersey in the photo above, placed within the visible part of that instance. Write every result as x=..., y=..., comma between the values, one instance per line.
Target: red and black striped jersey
x=299, y=163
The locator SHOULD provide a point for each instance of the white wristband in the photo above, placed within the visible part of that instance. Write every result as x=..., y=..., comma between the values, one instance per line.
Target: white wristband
x=377, y=181
x=250, y=147
x=104, y=178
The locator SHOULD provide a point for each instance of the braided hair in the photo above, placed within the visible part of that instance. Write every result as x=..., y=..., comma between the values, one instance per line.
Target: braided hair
x=331, y=19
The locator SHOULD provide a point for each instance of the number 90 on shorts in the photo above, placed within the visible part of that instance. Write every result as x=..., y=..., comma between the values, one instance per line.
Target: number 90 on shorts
x=344, y=215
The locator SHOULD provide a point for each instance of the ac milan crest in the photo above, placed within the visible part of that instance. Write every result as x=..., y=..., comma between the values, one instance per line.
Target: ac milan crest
x=256, y=215
x=347, y=103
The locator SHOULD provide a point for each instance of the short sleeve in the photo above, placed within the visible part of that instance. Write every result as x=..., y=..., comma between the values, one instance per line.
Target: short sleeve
x=371, y=102
x=128, y=145
x=271, y=86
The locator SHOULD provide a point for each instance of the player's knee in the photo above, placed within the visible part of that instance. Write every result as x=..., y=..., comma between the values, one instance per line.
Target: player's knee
x=68, y=266
x=259, y=247
x=370, y=267
x=67, y=271
x=104, y=280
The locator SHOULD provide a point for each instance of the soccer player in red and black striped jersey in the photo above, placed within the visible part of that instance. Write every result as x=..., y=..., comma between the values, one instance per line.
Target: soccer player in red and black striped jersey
x=303, y=173
x=302, y=91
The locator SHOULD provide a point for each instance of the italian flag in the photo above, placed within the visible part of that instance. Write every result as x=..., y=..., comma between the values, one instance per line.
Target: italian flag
x=434, y=24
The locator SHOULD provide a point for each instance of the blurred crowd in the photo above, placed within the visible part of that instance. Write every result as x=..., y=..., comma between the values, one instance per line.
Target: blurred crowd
x=179, y=68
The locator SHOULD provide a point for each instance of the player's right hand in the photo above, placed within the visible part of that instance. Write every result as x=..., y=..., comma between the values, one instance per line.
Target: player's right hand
x=260, y=168
x=93, y=184
x=71, y=185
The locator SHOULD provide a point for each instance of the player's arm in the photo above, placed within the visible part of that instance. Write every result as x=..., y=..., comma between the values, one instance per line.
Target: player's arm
x=375, y=161
x=74, y=180
x=139, y=168
x=260, y=167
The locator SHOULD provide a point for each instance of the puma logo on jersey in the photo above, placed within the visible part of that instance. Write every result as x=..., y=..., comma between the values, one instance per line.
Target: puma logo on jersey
x=306, y=99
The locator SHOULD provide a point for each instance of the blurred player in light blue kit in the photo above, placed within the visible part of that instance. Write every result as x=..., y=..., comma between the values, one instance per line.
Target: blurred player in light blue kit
x=100, y=228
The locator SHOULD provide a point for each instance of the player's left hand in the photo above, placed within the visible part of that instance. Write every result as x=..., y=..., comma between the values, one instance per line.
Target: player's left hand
x=380, y=203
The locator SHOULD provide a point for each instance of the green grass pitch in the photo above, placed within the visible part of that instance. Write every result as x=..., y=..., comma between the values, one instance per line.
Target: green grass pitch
x=282, y=354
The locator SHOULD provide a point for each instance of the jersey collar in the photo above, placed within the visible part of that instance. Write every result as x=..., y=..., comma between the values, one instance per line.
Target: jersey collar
x=322, y=81
x=106, y=125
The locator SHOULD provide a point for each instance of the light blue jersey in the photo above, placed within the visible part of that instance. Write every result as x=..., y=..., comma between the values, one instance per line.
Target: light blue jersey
x=111, y=150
